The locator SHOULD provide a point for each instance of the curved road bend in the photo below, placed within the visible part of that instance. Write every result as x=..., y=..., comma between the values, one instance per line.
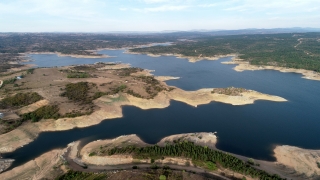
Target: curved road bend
x=95, y=168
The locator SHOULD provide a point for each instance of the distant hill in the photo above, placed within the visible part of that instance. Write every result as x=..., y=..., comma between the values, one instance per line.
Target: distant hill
x=246, y=31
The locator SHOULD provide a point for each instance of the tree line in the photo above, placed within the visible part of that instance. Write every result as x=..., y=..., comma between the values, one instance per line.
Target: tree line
x=188, y=149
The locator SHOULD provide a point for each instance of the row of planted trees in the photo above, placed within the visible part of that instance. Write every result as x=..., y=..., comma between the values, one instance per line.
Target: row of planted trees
x=196, y=153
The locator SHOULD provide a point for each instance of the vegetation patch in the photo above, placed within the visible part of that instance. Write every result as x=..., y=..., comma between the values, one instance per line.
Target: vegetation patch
x=132, y=93
x=78, y=75
x=80, y=92
x=205, y=157
x=117, y=89
x=9, y=81
x=128, y=71
x=231, y=91
x=30, y=71
x=77, y=92
x=76, y=175
x=20, y=99
x=45, y=112
x=84, y=68
x=98, y=95
x=153, y=86
x=9, y=125
x=211, y=166
x=285, y=50
x=117, y=99
x=162, y=177
x=154, y=173
x=74, y=114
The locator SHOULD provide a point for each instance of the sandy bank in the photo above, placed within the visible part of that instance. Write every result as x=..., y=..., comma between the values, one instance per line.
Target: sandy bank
x=44, y=166
x=115, y=66
x=114, y=159
x=24, y=67
x=153, y=55
x=245, y=66
x=205, y=139
x=166, y=78
x=303, y=161
x=93, y=56
x=110, y=107
x=180, y=56
x=50, y=164
x=241, y=64
x=204, y=96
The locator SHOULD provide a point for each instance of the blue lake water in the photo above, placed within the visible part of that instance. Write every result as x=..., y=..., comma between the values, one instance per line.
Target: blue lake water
x=250, y=130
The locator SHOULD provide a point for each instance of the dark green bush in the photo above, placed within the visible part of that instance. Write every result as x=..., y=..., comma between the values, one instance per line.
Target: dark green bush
x=20, y=99
x=79, y=75
x=45, y=112
x=76, y=175
x=77, y=91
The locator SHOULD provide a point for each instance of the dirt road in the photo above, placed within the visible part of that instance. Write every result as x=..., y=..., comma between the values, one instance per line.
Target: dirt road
x=144, y=166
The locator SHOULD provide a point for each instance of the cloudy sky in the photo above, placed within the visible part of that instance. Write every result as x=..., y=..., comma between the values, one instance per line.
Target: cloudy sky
x=154, y=15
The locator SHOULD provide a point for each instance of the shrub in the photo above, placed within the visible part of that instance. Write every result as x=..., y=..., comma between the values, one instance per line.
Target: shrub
x=20, y=99
x=76, y=114
x=72, y=175
x=98, y=95
x=45, y=112
x=211, y=166
x=9, y=81
x=78, y=75
x=30, y=71
x=250, y=161
x=10, y=125
x=162, y=177
x=76, y=91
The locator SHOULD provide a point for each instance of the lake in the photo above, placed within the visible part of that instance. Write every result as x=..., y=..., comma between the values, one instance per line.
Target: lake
x=250, y=130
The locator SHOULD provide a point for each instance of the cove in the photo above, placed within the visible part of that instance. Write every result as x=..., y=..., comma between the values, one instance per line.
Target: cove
x=252, y=135
x=251, y=130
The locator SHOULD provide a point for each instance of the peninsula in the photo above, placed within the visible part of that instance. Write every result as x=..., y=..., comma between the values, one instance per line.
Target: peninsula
x=55, y=99
x=172, y=156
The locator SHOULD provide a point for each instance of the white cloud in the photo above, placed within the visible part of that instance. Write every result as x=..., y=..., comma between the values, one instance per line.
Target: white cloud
x=207, y=5
x=273, y=5
x=59, y=8
x=161, y=9
x=155, y=1
x=237, y=8
x=204, y=14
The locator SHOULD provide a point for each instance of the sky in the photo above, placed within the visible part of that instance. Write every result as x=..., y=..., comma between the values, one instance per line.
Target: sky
x=155, y=15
